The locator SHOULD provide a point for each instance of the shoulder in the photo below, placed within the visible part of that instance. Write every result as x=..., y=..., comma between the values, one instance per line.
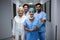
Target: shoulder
x=35, y=13
x=42, y=12
x=24, y=16
x=15, y=17
x=28, y=13
x=26, y=19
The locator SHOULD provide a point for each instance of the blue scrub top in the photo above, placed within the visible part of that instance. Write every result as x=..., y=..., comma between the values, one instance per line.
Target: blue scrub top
x=31, y=35
x=41, y=15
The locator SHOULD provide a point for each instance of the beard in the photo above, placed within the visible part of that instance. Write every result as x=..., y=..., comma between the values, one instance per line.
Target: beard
x=38, y=11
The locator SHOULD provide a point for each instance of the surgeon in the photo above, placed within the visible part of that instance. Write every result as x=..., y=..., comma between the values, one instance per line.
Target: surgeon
x=31, y=26
x=18, y=27
x=41, y=16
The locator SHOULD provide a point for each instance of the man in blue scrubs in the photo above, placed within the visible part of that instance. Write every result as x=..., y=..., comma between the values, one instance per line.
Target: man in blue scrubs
x=31, y=26
x=41, y=16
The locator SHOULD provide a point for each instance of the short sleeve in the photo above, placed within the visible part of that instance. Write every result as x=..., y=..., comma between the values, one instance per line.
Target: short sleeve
x=39, y=24
x=44, y=15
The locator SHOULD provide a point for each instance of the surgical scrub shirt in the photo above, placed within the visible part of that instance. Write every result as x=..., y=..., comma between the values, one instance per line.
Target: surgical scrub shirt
x=31, y=35
x=41, y=15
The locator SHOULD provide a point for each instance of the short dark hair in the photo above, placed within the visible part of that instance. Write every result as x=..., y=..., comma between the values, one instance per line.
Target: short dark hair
x=26, y=5
x=38, y=4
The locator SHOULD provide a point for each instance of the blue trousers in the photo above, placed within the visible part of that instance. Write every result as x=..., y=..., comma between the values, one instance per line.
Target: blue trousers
x=32, y=35
x=41, y=35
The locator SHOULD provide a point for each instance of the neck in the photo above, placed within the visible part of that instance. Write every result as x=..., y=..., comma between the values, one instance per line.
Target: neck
x=39, y=11
x=31, y=20
x=25, y=12
x=20, y=16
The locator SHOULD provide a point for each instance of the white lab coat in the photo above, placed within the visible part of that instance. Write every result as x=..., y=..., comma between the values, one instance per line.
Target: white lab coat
x=18, y=27
x=27, y=15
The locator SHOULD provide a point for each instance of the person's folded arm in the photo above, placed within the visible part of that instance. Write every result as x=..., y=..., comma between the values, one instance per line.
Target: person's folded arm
x=25, y=28
x=44, y=17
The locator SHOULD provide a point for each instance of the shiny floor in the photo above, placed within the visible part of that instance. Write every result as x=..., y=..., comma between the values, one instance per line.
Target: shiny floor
x=7, y=38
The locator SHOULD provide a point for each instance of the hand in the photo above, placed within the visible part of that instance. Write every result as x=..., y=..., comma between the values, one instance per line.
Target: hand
x=26, y=29
x=42, y=20
x=36, y=28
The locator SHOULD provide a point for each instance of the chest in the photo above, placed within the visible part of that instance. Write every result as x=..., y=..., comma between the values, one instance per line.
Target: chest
x=39, y=16
x=31, y=25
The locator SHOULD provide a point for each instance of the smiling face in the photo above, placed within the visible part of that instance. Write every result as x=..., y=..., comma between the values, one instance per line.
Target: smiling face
x=38, y=8
x=25, y=8
x=20, y=12
x=31, y=14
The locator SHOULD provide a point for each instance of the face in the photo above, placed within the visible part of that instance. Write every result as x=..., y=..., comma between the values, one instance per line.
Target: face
x=38, y=7
x=31, y=14
x=20, y=12
x=25, y=8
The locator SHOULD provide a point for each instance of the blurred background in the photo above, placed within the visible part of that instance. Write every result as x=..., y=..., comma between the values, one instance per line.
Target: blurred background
x=8, y=10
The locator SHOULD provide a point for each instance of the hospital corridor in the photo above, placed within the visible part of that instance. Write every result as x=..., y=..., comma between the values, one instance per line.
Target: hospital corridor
x=12, y=12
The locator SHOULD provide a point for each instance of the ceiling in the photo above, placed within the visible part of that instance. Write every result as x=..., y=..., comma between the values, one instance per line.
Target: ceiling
x=29, y=1
x=33, y=1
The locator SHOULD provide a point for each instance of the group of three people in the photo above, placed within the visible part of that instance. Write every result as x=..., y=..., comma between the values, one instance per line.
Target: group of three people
x=29, y=25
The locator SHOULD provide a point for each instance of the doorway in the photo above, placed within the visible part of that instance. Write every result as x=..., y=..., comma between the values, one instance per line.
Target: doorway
x=14, y=10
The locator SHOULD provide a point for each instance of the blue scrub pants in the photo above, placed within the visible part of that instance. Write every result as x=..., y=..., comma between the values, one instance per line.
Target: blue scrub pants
x=32, y=35
x=41, y=35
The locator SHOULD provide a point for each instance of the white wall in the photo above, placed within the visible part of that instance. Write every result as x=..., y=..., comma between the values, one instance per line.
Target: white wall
x=17, y=2
x=55, y=20
x=5, y=18
x=53, y=17
x=6, y=14
x=58, y=20
x=56, y=17
x=51, y=27
x=0, y=20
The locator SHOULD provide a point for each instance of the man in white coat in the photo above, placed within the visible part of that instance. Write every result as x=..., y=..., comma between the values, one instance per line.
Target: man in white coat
x=25, y=7
x=18, y=28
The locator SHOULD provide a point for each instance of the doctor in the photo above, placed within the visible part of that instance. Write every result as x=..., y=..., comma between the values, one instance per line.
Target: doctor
x=18, y=28
x=31, y=26
x=26, y=13
x=41, y=16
